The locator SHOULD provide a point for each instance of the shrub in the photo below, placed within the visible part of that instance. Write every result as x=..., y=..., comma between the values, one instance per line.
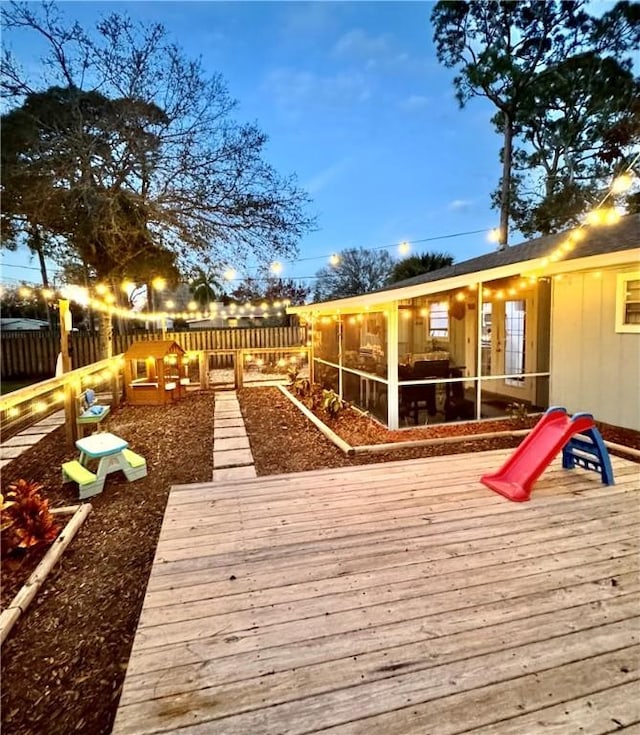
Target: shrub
x=332, y=403
x=518, y=412
x=26, y=518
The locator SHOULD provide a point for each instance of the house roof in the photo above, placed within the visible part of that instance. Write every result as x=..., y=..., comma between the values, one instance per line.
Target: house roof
x=624, y=235
x=153, y=348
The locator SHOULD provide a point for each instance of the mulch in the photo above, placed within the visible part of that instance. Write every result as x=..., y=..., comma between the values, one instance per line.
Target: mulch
x=64, y=663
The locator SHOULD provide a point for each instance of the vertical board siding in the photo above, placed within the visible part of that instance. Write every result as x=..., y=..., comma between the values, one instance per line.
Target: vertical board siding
x=593, y=367
x=34, y=354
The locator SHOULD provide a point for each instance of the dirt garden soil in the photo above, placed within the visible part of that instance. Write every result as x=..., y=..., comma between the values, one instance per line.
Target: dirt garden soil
x=64, y=663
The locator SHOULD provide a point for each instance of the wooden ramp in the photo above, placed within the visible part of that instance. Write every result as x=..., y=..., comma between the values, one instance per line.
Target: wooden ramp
x=392, y=599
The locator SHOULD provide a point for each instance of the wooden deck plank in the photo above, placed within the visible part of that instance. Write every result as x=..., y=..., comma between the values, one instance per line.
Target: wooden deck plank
x=398, y=598
x=327, y=685
x=355, y=652
x=418, y=500
x=611, y=710
x=348, y=533
x=361, y=520
x=328, y=564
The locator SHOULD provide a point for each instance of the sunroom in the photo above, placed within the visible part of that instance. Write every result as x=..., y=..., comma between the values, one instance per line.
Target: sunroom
x=457, y=355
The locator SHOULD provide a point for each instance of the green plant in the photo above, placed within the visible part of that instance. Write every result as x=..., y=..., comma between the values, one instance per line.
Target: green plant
x=518, y=412
x=332, y=403
x=293, y=372
x=301, y=387
x=26, y=518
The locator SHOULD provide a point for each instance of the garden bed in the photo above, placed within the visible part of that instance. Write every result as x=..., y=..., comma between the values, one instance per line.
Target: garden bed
x=64, y=663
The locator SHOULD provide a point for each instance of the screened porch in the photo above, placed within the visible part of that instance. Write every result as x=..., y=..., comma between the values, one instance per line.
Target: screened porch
x=464, y=354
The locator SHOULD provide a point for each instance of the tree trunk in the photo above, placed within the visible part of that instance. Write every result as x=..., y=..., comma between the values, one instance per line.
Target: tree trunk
x=106, y=336
x=35, y=244
x=505, y=193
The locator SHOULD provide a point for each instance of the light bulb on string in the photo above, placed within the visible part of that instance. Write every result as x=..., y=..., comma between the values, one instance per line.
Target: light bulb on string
x=621, y=183
x=230, y=274
x=334, y=259
x=276, y=268
x=159, y=283
x=494, y=235
x=404, y=248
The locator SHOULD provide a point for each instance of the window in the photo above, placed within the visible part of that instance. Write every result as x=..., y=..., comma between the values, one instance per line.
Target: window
x=628, y=303
x=514, y=330
x=439, y=319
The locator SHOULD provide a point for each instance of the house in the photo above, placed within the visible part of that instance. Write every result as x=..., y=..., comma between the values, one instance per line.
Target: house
x=552, y=321
x=22, y=324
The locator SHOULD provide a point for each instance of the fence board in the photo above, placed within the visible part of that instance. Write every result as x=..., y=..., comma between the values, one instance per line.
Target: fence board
x=34, y=354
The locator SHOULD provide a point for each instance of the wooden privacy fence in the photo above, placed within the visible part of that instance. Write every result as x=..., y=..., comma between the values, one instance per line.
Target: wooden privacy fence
x=34, y=354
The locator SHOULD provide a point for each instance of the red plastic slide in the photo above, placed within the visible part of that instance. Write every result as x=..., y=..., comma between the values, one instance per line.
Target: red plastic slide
x=516, y=478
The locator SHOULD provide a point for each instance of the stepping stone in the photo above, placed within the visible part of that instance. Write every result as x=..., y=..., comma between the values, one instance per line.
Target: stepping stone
x=232, y=458
x=13, y=452
x=226, y=396
x=227, y=415
x=3, y=462
x=226, y=423
x=235, y=442
x=38, y=429
x=234, y=473
x=23, y=440
x=50, y=421
x=227, y=432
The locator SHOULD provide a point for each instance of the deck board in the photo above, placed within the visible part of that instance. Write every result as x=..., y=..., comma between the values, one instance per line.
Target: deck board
x=391, y=598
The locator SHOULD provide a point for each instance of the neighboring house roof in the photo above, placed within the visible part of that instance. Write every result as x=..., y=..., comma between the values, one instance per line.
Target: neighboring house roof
x=22, y=323
x=623, y=236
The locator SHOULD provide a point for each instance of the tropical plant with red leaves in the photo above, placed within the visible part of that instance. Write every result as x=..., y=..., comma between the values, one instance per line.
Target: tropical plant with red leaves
x=26, y=518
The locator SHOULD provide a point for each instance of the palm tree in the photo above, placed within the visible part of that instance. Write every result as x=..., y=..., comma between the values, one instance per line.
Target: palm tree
x=416, y=265
x=205, y=287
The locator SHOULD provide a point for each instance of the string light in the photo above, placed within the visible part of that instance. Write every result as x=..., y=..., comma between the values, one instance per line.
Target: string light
x=404, y=248
x=159, y=283
x=334, y=259
x=494, y=235
x=230, y=274
x=276, y=268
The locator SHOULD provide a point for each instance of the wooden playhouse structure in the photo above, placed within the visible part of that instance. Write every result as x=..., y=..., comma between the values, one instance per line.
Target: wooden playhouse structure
x=154, y=373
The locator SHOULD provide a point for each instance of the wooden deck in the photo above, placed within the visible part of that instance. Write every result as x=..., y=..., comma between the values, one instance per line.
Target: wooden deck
x=392, y=599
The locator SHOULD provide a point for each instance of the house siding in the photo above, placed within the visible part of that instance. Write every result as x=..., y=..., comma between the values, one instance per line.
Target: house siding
x=593, y=368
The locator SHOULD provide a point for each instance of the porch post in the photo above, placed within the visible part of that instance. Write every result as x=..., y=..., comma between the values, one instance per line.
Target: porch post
x=340, y=338
x=393, y=420
x=479, y=353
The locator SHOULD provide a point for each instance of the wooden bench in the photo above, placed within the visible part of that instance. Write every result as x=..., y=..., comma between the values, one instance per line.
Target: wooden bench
x=137, y=465
x=88, y=483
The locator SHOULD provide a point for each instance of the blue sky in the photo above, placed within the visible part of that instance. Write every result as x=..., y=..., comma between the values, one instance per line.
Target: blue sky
x=354, y=103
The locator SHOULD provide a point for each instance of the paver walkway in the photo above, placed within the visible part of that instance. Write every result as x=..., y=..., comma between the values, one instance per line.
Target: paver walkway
x=16, y=445
x=232, y=457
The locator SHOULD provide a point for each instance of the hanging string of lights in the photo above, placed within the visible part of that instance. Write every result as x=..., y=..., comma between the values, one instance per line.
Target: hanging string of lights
x=104, y=300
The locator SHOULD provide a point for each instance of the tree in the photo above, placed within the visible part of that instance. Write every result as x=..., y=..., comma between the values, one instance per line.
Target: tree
x=499, y=47
x=136, y=148
x=358, y=271
x=416, y=265
x=270, y=288
x=582, y=127
x=205, y=287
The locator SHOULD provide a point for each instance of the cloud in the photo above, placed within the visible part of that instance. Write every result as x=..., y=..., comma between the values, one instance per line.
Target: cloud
x=359, y=43
x=326, y=176
x=415, y=102
x=292, y=89
x=459, y=205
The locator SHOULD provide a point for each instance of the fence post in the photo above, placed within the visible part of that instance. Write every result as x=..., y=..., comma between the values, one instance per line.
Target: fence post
x=115, y=384
x=203, y=374
x=238, y=369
